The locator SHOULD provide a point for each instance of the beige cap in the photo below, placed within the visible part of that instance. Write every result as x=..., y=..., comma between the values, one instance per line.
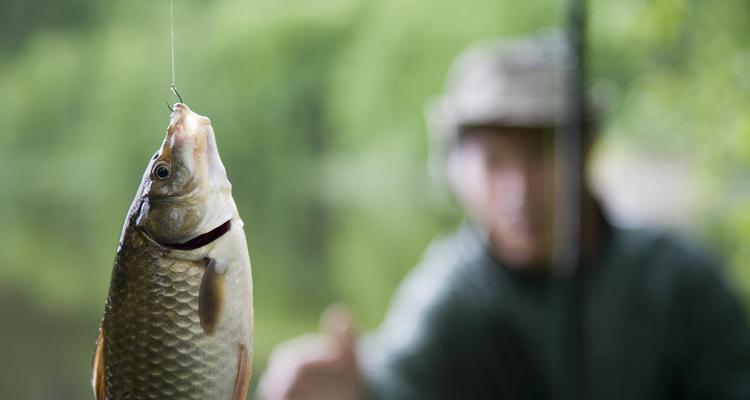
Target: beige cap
x=507, y=83
x=510, y=83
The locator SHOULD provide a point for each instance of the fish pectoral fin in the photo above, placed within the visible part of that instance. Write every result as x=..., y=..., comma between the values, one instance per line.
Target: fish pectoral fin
x=97, y=378
x=244, y=372
x=210, y=297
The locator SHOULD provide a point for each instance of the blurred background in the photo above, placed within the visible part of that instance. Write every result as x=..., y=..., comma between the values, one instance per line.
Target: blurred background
x=317, y=108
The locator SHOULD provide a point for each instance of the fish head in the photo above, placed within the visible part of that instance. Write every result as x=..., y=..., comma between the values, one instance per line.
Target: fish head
x=185, y=191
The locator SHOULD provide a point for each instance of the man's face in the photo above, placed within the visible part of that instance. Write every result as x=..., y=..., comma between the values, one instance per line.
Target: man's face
x=504, y=178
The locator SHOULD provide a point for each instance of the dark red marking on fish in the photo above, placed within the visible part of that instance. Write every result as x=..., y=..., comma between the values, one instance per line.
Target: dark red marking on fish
x=202, y=240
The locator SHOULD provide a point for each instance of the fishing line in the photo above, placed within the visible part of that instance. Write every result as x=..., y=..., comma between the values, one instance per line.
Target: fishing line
x=171, y=35
x=172, y=87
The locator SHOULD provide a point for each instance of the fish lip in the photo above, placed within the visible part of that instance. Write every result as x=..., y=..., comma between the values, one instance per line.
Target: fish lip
x=185, y=117
x=197, y=242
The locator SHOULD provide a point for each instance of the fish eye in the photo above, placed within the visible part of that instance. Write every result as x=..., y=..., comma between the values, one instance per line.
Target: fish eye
x=161, y=170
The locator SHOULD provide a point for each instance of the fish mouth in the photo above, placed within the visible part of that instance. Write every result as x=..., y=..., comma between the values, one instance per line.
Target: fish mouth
x=201, y=240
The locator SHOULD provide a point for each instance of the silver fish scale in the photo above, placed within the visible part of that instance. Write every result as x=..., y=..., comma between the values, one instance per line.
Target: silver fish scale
x=154, y=346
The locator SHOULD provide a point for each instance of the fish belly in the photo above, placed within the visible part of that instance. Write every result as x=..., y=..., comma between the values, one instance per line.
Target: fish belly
x=154, y=346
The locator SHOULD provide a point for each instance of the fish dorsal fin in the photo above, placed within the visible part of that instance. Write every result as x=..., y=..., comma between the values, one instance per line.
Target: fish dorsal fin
x=244, y=371
x=97, y=377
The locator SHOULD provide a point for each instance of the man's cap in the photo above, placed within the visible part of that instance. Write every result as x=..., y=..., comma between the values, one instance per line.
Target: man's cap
x=511, y=83
x=507, y=83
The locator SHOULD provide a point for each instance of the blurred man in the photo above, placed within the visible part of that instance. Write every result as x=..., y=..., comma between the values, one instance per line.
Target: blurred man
x=482, y=317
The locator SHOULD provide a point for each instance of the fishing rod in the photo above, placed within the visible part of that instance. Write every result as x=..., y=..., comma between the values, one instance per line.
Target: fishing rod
x=567, y=351
x=568, y=143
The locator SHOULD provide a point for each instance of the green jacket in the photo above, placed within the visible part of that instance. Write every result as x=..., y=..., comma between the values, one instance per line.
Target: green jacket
x=648, y=318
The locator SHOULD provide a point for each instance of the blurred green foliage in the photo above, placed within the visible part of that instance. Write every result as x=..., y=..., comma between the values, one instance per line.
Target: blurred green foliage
x=317, y=106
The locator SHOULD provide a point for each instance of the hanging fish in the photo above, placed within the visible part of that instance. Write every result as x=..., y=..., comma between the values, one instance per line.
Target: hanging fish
x=178, y=321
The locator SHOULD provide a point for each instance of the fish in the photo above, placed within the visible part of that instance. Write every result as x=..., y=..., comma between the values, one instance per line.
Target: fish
x=178, y=318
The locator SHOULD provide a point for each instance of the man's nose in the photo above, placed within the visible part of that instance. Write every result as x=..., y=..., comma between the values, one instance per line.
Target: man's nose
x=513, y=185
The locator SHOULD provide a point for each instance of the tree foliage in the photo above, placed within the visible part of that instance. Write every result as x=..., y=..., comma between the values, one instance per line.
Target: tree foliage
x=317, y=108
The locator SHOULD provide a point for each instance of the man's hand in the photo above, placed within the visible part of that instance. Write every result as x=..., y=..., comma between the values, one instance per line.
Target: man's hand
x=316, y=367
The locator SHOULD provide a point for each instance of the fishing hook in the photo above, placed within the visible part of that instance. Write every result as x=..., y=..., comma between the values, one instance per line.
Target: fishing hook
x=174, y=90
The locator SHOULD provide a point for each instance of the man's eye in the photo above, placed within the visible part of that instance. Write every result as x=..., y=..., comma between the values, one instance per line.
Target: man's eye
x=495, y=160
